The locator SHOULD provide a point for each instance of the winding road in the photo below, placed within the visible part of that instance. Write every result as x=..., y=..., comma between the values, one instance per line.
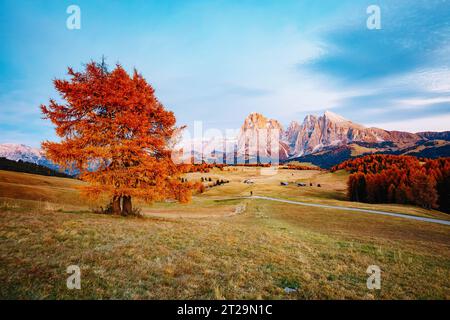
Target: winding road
x=399, y=215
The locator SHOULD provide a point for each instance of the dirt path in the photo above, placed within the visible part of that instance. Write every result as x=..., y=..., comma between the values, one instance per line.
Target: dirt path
x=399, y=215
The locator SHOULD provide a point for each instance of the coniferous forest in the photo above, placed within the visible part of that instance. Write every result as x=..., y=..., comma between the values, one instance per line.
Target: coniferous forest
x=399, y=179
x=28, y=167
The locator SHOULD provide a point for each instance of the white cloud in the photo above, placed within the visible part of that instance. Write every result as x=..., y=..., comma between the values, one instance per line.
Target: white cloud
x=435, y=123
x=432, y=79
x=421, y=102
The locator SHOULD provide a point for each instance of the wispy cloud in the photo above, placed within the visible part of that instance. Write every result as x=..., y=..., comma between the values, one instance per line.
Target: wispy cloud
x=217, y=61
x=440, y=123
x=398, y=72
x=414, y=35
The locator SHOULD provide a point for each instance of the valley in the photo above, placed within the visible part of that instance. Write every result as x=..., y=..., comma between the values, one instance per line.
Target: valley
x=222, y=244
x=225, y=150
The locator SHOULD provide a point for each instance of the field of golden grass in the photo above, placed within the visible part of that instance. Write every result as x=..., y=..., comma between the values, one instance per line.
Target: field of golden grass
x=219, y=246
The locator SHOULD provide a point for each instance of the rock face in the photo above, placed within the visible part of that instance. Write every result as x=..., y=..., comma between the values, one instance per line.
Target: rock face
x=332, y=130
x=291, y=134
x=331, y=137
x=261, y=137
x=328, y=137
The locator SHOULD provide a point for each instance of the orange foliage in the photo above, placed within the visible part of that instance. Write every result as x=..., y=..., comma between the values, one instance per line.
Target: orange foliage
x=115, y=132
x=399, y=179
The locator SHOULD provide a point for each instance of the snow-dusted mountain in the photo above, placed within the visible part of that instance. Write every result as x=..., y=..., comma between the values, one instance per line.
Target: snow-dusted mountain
x=212, y=149
x=22, y=152
x=16, y=152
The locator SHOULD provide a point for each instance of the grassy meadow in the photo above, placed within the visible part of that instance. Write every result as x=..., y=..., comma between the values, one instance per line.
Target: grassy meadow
x=222, y=245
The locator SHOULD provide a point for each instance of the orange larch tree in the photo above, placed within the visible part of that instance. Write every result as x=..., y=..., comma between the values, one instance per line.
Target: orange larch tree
x=399, y=179
x=116, y=134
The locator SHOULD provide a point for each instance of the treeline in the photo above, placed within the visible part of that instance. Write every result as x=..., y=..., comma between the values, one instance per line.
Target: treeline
x=300, y=167
x=252, y=165
x=206, y=167
x=201, y=167
x=28, y=167
x=399, y=179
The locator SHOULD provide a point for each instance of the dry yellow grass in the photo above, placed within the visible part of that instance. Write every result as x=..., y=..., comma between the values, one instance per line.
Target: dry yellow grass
x=220, y=245
x=25, y=186
x=358, y=150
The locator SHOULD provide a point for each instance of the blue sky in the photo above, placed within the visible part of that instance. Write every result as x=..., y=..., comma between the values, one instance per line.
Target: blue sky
x=217, y=61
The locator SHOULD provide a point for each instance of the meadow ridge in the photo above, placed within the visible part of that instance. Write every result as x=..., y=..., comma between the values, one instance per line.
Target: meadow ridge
x=225, y=150
x=221, y=245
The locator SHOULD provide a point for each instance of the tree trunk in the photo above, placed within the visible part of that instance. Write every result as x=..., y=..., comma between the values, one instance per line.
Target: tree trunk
x=126, y=206
x=116, y=205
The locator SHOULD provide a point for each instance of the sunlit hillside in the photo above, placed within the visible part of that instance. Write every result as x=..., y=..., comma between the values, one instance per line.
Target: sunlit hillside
x=221, y=245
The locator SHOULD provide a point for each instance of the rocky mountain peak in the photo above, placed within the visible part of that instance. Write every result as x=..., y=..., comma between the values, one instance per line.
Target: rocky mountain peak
x=256, y=120
x=14, y=151
x=309, y=119
x=333, y=117
x=291, y=133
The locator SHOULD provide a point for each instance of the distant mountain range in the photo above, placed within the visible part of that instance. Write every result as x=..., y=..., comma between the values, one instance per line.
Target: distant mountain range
x=324, y=140
x=28, y=167
x=16, y=152
x=330, y=139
